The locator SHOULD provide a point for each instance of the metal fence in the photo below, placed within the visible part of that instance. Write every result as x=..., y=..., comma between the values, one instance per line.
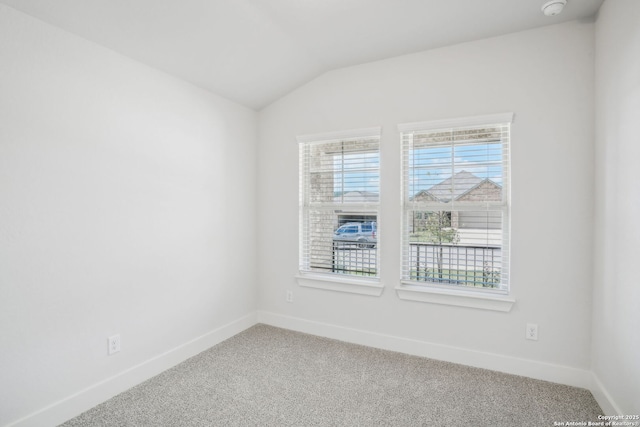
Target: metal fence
x=354, y=258
x=459, y=265
x=445, y=264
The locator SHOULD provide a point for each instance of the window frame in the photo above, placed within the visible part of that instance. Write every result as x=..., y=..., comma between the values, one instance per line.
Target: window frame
x=425, y=291
x=369, y=285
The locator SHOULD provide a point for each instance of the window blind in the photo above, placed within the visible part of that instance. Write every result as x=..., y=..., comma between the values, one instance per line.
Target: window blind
x=339, y=199
x=455, y=221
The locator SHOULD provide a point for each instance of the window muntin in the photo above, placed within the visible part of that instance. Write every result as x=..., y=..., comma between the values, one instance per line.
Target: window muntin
x=339, y=198
x=455, y=205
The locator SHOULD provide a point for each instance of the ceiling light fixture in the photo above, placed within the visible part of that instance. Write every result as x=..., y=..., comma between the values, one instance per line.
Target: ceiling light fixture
x=553, y=7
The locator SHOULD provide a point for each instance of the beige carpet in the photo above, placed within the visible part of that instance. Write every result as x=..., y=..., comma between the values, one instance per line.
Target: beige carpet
x=268, y=376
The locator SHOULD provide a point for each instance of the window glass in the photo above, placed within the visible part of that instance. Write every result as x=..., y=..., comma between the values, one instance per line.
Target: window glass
x=456, y=211
x=339, y=196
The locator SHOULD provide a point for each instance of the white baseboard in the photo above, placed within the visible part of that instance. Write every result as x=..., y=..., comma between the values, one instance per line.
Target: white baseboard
x=604, y=399
x=83, y=400
x=496, y=362
x=73, y=405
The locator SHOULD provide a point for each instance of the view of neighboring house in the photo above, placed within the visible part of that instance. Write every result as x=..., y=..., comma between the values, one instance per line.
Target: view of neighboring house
x=349, y=197
x=357, y=197
x=463, y=187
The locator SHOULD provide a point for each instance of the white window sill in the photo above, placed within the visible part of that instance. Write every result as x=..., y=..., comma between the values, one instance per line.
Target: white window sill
x=460, y=298
x=341, y=283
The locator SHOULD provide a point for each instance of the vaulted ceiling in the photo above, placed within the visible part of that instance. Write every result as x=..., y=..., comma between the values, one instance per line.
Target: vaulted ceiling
x=255, y=51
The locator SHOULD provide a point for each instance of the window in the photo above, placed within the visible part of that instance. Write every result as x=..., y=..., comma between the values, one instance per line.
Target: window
x=339, y=197
x=456, y=203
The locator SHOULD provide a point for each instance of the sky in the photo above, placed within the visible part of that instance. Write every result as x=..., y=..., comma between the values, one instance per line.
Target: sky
x=427, y=167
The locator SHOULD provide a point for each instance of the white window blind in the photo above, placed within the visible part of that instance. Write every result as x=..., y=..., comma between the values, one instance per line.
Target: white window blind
x=339, y=199
x=456, y=203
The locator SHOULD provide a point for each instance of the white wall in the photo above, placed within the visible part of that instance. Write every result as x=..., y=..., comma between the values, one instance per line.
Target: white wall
x=128, y=206
x=127, y=196
x=616, y=301
x=545, y=76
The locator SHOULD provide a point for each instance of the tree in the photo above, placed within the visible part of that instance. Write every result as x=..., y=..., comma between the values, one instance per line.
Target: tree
x=438, y=231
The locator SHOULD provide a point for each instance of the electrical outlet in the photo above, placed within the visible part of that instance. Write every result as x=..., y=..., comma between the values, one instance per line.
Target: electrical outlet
x=114, y=344
x=289, y=297
x=532, y=332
